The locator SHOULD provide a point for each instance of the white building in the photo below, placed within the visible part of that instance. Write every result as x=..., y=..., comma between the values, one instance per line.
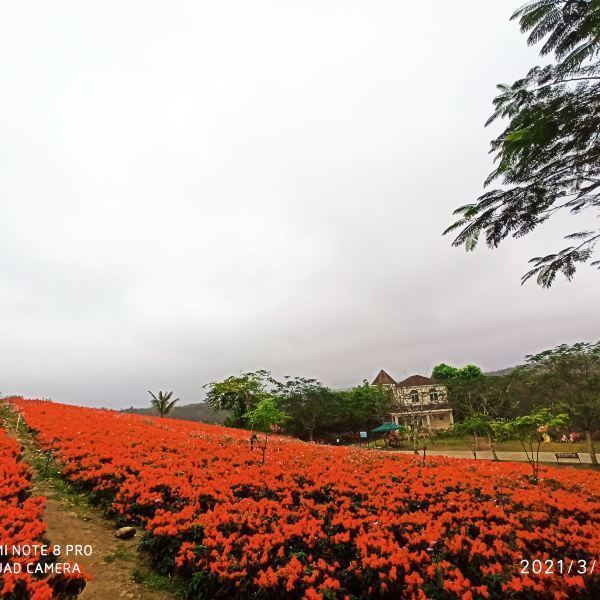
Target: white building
x=418, y=400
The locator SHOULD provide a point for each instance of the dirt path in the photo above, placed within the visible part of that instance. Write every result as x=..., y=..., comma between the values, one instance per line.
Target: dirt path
x=115, y=565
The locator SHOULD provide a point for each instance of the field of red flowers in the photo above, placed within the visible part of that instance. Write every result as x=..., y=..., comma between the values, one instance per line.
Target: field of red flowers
x=325, y=522
x=24, y=576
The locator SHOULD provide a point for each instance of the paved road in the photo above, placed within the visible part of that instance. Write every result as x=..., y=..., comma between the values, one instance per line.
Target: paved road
x=519, y=456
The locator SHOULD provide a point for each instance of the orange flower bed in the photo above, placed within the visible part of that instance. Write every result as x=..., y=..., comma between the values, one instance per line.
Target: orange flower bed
x=328, y=522
x=22, y=543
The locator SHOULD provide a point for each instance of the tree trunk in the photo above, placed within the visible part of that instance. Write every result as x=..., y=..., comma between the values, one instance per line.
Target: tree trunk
x=476, y=439
x=590, y=441
x=311, y=435
x=537, y=462
x=492, y=446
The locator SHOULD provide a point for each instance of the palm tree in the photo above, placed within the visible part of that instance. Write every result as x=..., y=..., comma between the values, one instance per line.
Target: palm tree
x=162, y=403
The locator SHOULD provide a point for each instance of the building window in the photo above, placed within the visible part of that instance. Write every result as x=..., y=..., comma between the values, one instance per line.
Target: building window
x=441, y=417
x=433, y=395
x=414, y=396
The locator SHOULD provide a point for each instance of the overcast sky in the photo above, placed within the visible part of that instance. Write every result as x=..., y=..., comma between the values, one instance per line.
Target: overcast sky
x=193, y=189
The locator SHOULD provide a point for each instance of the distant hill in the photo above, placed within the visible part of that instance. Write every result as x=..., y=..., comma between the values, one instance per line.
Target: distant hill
x=501, y=372
x=200, y=411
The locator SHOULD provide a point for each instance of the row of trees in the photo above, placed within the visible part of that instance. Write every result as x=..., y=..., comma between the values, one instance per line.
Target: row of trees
x=298, y=405
x=553, y=389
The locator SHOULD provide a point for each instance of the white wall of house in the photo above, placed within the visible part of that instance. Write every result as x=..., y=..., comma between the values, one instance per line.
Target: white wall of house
x=422, y=399
x=420, y=394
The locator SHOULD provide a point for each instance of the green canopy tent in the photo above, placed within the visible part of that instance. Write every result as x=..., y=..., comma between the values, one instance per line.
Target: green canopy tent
x=387, y=427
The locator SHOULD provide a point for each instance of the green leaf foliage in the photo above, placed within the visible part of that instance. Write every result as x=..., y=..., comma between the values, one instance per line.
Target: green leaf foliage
x=239, y=394
x=162, y=402
x=548, y=156
x=444, y=372
x=266, y=415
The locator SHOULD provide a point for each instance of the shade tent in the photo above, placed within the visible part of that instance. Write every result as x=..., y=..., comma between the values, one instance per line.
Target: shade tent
x=385, y=427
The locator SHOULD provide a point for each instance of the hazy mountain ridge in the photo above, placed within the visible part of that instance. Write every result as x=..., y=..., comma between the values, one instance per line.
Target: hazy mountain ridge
x=501, y=372
x=199, y=411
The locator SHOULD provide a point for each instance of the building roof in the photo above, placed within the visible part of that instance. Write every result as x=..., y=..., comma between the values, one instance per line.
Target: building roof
x=383, y=379
x=416, y=380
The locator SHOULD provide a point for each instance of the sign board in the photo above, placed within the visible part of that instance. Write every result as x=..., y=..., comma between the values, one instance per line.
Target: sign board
x=363, y=435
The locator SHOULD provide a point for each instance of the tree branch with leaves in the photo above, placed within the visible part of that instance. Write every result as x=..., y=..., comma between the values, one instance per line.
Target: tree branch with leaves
x=548, y=156
x=570, y=375
x=239, y=394
x=529, y=430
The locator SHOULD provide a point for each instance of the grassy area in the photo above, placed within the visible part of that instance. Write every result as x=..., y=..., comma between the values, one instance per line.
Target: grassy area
x=503, y=446
x=44, y=469
x=47, y=470
x=507, y=445
x=585, y=466
x=160, y=583
x=121, y=553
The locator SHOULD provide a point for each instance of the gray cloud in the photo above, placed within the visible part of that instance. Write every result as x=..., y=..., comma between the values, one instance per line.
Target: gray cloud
x=196, y=189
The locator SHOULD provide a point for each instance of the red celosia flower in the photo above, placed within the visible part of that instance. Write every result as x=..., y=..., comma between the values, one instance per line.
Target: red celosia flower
x=318, y=521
